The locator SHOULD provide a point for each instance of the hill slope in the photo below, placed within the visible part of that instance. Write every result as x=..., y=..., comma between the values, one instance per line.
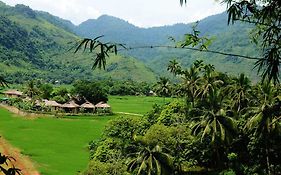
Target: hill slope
x=231, y=39
x=39, y=42
x=35, y=45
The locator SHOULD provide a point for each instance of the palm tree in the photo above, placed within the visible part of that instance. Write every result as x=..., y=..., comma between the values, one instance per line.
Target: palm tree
x=3, y=82
x=209, y=81
x=190, y=84
x=217, y=126
x=163, y=87
x=174, y=67
x=31, y=89
x=265, y=117
x=214, y=123
x=199, y=64
x=152, y=162
x=239, y=92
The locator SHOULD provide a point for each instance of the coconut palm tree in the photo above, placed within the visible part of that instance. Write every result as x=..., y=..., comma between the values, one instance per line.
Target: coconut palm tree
x=31, y=89
x=214, y=123
x=152, y=162
x=213, y=119
x=209, y=81
x=3, y=82
x=199, y=64
x=174, y=67
x=190, y=83
x=265, y=118
x=163, y=87
x=239, y=92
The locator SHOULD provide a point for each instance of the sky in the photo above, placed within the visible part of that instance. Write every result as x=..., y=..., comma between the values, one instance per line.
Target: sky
x=142, y=13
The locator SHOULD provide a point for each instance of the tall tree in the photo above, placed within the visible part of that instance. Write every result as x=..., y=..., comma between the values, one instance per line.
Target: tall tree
x=163, y=87
x=239, y=92
x=3, y=82
x=209, y=81
x=265, y=15
x=152, y=162
x=213, y=122
x=265, y=118
x=190, y=83
x=31, y=89
x=174, y=67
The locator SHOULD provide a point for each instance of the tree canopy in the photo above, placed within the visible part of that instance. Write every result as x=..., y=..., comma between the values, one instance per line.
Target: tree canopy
x=265, y=15
x=217, y=124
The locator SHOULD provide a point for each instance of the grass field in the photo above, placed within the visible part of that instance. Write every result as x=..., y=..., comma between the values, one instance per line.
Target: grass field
x=134, y=104
x=59, y=145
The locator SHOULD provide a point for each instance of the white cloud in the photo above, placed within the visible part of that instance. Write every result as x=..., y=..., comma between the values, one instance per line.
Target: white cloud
x=143, y=13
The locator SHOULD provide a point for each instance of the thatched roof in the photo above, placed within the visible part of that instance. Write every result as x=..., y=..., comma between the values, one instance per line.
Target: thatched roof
x=27, y=99
x=38, y=103
x=88, y=105
x=70, y=104
x=102, y=105
x=13, y=92
x=52, y=103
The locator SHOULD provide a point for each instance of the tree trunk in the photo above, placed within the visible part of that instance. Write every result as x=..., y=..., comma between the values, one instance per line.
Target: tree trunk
x=267, y=160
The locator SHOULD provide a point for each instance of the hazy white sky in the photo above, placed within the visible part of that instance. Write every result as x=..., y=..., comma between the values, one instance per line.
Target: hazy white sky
x=144, y=13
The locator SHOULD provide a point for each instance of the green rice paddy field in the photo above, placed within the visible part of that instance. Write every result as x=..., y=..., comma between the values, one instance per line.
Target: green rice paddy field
x=59, y=145
x=134, y=104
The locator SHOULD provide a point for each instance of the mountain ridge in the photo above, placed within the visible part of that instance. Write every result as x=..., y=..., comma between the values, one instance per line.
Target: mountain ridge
x=35, y=45
x=58, y=32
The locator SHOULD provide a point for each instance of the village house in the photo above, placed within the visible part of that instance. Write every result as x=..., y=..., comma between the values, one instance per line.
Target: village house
x=12, y=93
x=87, y=107
x=103, y=107
x=70, y=107
x=53, y=105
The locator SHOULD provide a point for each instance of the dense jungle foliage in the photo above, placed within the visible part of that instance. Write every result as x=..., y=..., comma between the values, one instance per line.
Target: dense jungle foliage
x=218, y=124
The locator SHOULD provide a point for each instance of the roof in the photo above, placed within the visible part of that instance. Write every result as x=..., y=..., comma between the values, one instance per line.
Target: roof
x=70, y=104
x=27, y=99
x=52, y=103
x=102, y=105
x=38, y=103
x=13, y=92
x=87, y=105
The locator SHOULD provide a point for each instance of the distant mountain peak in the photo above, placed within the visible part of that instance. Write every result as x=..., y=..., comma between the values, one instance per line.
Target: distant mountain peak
x=25, y=10
x=2, y=3
x=104, y=24
x=102, y=17
x=113, y=19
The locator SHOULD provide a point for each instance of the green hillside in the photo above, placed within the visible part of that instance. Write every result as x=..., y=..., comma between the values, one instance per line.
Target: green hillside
x=36, y=45
x=230, y=39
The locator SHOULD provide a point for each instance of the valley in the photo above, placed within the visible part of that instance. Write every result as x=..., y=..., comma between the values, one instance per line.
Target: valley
x=44, y=48
x=100, y=95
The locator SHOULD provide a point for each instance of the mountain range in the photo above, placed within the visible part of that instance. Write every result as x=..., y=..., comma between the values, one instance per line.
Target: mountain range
x=35, y=44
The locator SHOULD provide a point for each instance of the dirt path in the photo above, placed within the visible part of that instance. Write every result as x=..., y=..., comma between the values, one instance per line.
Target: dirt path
x=22, y=162
x=126, y=113
x=15, y=110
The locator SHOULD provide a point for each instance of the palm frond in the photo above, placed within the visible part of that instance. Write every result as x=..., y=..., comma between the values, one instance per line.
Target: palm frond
x=3, y=82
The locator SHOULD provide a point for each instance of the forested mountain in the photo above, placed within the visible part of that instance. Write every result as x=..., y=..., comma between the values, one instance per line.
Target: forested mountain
x=118, y=30
x=226, y=38
x=36, y=44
